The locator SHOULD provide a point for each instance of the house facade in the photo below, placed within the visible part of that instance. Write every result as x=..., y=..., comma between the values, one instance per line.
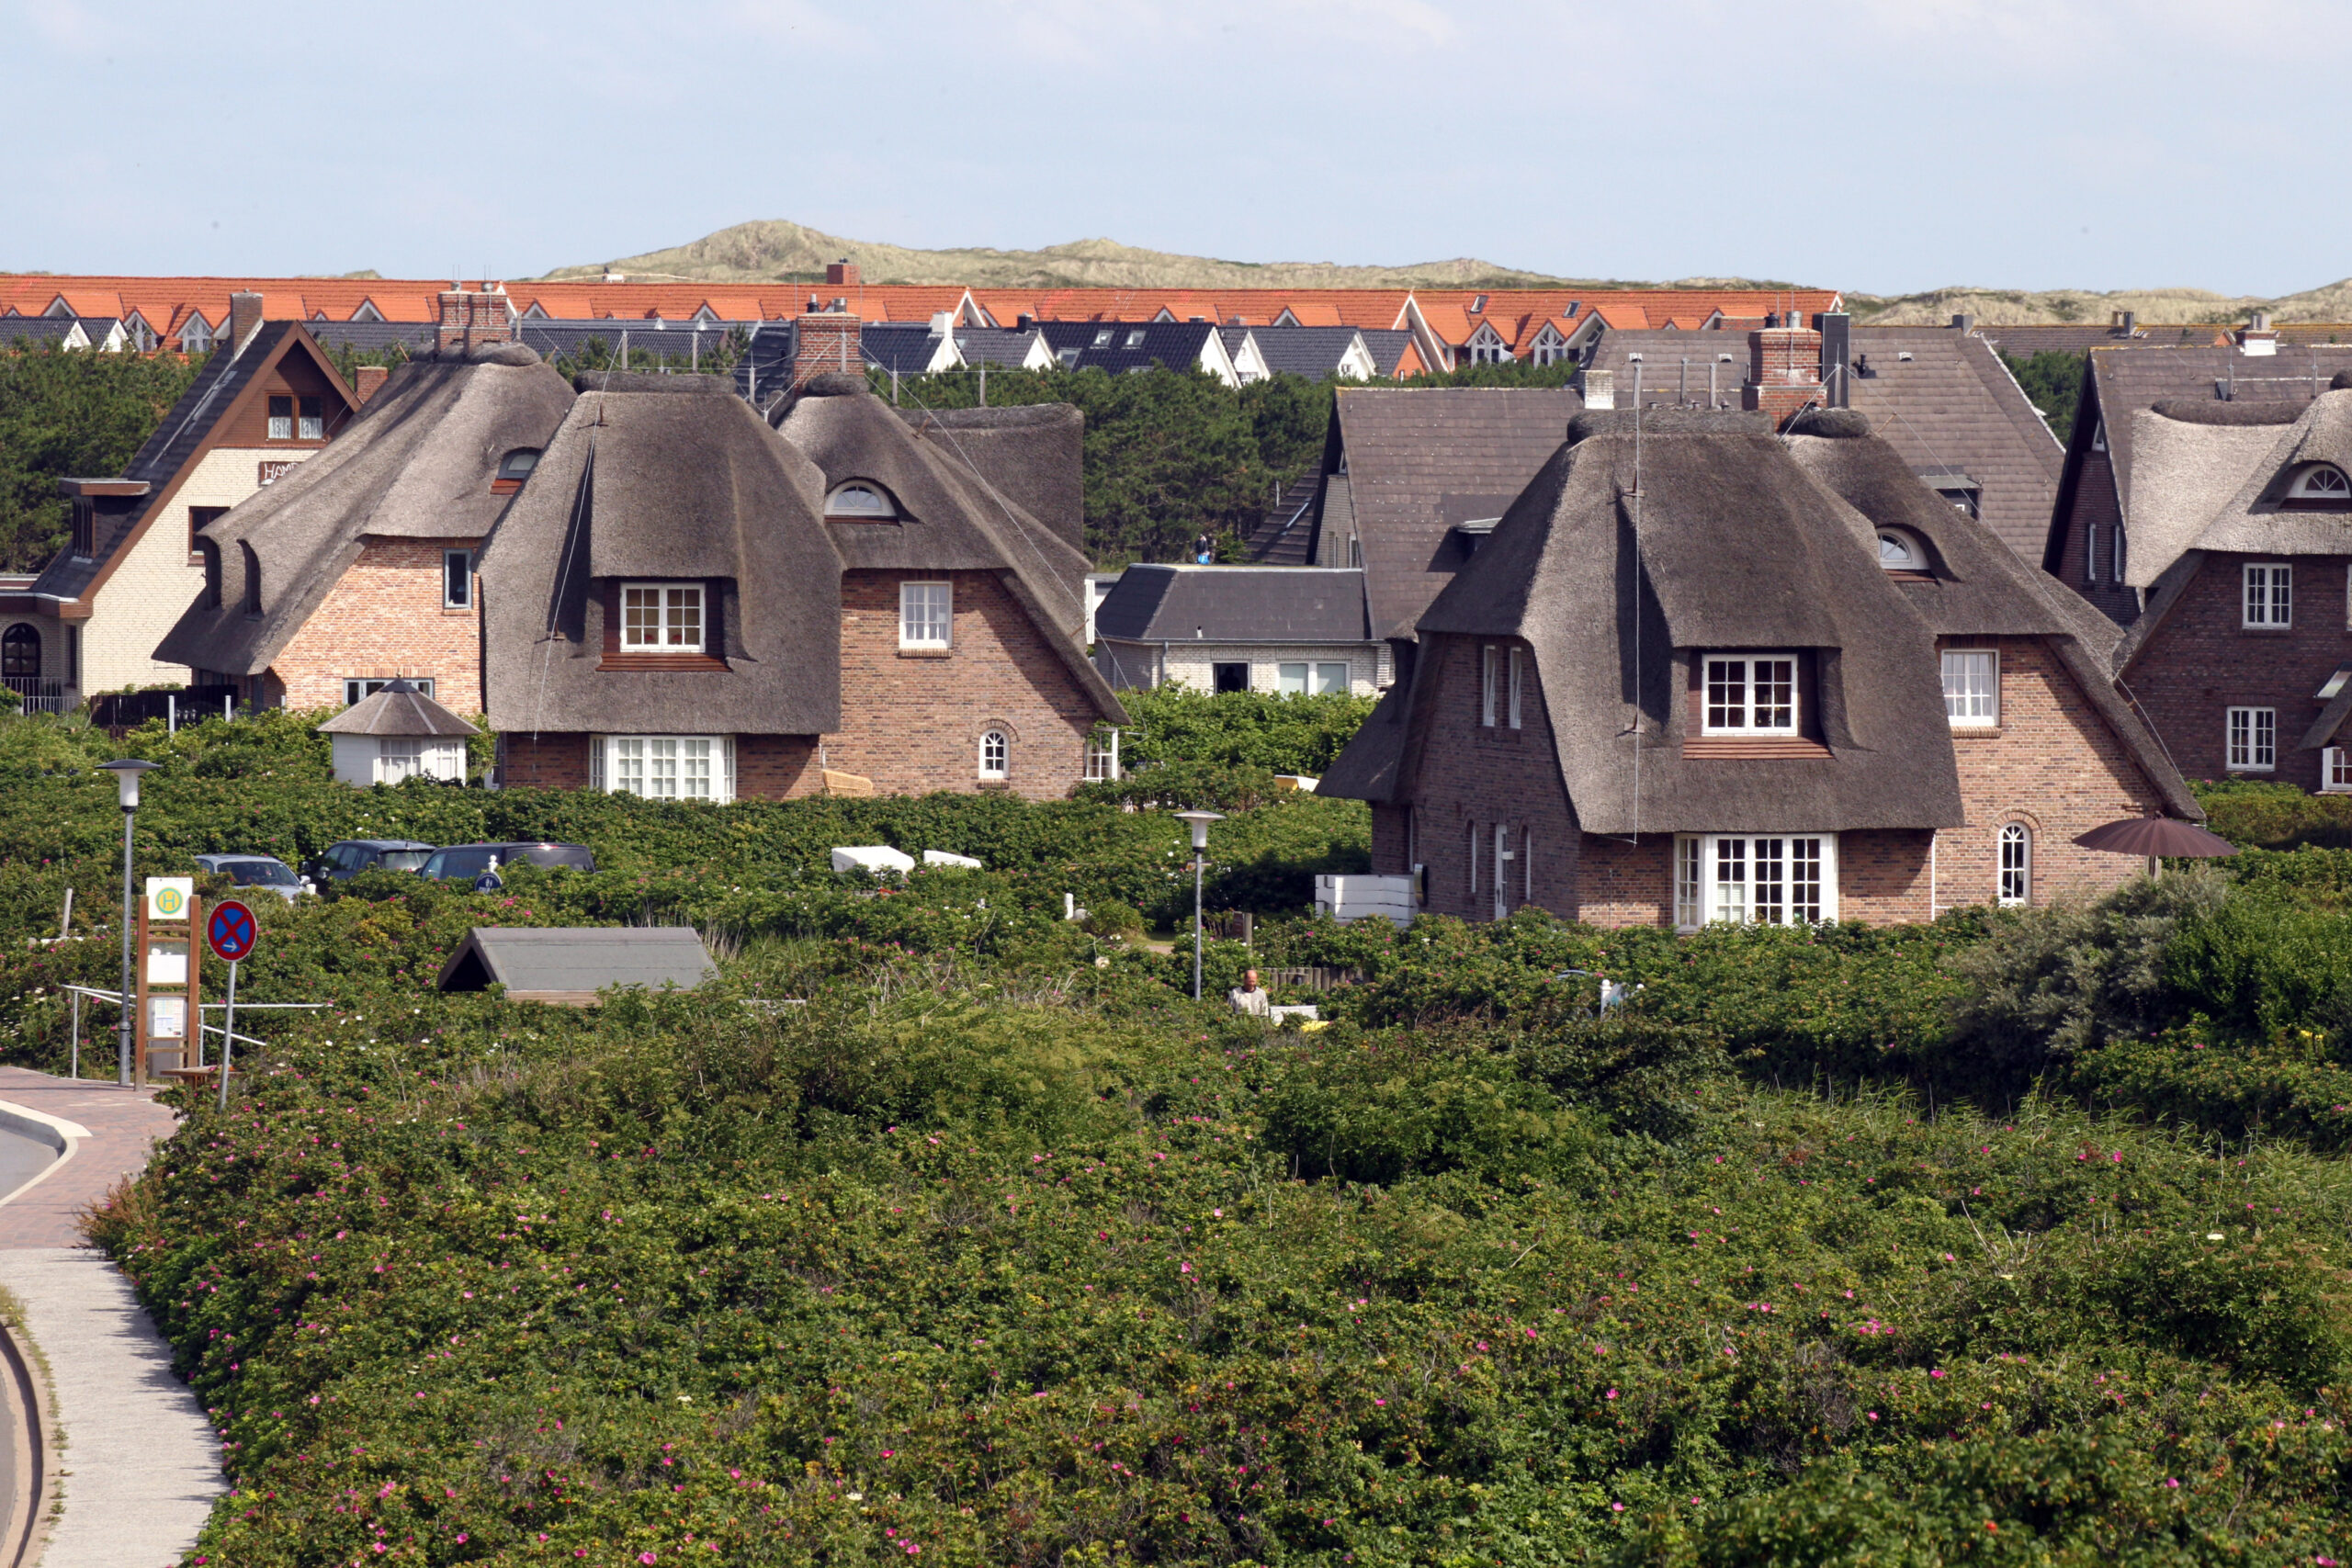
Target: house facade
x=357, y=568
x=267, y=401
x=1288, y=631
x=1712, y=673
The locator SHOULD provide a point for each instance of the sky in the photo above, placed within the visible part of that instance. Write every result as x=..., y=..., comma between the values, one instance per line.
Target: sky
x=1877, y=146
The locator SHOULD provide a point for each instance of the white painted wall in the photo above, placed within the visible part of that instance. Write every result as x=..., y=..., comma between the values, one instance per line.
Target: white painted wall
x=1189, y=664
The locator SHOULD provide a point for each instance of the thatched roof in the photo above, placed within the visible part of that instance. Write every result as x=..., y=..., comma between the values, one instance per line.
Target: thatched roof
x=1031, y=453
x=416, y=463
x=399, y=710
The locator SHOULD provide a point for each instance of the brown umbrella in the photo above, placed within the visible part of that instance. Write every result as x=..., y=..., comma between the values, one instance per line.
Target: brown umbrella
x=2153, y=837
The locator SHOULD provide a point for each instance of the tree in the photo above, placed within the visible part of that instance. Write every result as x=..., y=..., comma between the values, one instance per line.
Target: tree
x=69, y=413
x=2053, y=379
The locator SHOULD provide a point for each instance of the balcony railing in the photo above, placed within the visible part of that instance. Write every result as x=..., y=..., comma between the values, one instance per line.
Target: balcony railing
x=38, y=693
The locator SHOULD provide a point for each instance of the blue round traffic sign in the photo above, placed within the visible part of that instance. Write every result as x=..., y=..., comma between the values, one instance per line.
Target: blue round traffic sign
x=232, y=932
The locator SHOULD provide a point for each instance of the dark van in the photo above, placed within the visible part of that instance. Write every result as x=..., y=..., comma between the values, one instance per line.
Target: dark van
x=463, y=863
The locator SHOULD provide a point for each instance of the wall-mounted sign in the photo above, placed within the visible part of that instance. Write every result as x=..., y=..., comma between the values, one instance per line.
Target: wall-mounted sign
x=167, y=897
x=273, y=469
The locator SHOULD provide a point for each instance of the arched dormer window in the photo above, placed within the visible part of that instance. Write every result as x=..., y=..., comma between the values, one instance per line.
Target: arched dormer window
x=2321, y=484
x=514, y=468
x=209, y=551
x=251, y=564
x=1898, y=551
x=861, y=501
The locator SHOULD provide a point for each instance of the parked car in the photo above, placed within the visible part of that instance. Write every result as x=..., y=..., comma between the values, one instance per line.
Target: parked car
x=463, y=863
x=353, y=856
x=257, y=871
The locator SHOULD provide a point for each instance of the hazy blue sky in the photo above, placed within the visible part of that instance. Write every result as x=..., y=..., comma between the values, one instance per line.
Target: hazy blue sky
x=1877, y=145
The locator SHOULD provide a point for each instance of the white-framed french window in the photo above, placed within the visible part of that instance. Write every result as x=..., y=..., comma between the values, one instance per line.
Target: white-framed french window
x=358, y=688
x=1516, y=660
x=662, y=617
x=926, y=614
x=1503, y=857
x=1767, y=879
x=2014, y=887
x=456, y=580
x=1972, y=687
x=1748, y=693
x=2336, y=770
x=2252, y=745
x=1103, y=755
x=1470, y=860
x=996, y=754
x=664, y=767
x=1527, y=866
x=2270, y=594
x=2120, y=537
x=1490, y=657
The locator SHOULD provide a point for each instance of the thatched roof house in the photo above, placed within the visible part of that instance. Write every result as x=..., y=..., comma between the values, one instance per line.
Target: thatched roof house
x=1699, y=670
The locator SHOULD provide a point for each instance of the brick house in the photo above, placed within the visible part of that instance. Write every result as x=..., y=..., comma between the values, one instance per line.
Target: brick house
x=2243, y=658
x=1705, y=672
x=266, y=399
x=357, y=568
x=692, y=602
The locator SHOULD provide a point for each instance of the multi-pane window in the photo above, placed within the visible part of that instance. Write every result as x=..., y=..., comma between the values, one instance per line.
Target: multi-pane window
x=2017, y=865
x=662, y=617
x=1304, y=679
x=1972, y=688
x=996, y=755
x=1750, y=694
x=312, y=425
x=2336, y=770
x=1762, y=880
x=1102, y=756
x=926, y=613
x=667, y=767
x=2253, y=740
x=357, y=688
x=281, y=419
x=2269, y=595
x=1516, y=660
x=458, y=579
x=1490, y=657
x=1767, y=879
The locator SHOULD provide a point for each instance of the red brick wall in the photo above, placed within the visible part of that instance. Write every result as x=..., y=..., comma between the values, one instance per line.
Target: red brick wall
x=1783, y=370
x=767, y=767
x=912, y=721
x=384, y=618
x=1883, y=875
x=825, y=343
x=2094, y=507
x=2201, y=662
x=1628, y=882
x=543, y=761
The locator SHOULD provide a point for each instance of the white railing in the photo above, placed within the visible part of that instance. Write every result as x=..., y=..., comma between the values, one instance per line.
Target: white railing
x=38, y=693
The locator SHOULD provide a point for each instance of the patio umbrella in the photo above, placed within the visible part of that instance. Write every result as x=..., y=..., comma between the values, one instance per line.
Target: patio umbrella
x=2155, y=837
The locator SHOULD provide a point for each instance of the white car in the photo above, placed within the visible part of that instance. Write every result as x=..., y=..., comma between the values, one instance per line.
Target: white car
x=258, y=871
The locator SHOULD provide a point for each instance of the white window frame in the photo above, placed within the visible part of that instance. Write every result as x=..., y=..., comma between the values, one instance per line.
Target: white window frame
x=2090, y=552
x=927, y=614
x=282, y=426
x=1745, y=704
x=995, y=759
x=1472, y=861
x=360, y=688
x=2116, y=552
x=2303, y=490
x=1504, y=857
x=1102, y=761
x=2347, y=598
x=1294, y=679
x=2250, y=741
x=1965, y=705
x=1705, y=896
x=1490, y=657
x=2013, y=863
x=310, y=417
x=1908, y=555
x=2336, y=770
x=1517, y=682
x=2268, y=600
x=840, y=503
x=668, y=617
x=463, y=575
x=1323, y=687
x=697, y=768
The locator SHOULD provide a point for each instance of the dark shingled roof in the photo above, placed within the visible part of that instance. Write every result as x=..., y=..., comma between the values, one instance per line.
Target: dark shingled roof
x=995, y=345
x=1235, y=604
x=1175, y=345
x=1388, y=347
x=664, y=476
x=1738, y=541
x=571, y=965
x=1312, y=352
x=398, y=709
x=416, y=463
x=1419, y=463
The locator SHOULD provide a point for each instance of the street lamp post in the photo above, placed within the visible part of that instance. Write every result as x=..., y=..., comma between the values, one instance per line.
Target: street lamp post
x=126, y=778
x=1199, y=822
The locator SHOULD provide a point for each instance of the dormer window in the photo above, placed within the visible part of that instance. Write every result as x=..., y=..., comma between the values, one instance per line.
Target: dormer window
x=1898, y=551
x=281, y=419
x=2321, y=484
x=1134, y=338
x=196, y=335
x=514, y=468
x=1749, y=693
x=662, y=617
x=860, y=501
x=1103, y=338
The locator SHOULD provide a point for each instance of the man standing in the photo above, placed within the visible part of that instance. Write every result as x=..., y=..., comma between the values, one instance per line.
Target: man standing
x=1248, y=997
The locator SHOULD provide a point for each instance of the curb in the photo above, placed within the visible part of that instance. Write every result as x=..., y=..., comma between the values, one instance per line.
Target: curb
x=26, y=1537
x=57, y=1132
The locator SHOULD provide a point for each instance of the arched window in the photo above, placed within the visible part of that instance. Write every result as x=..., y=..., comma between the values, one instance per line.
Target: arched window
x=996, y=755
x=2323, y=483
x=2017, y=865
x=1900, y=552
x=860, y=501
x=20, y=649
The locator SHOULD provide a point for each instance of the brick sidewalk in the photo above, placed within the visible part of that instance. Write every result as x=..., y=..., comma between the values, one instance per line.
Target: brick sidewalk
x=124, y=1124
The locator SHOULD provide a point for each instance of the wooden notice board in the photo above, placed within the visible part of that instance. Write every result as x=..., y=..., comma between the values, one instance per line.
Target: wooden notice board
x=170, y=1008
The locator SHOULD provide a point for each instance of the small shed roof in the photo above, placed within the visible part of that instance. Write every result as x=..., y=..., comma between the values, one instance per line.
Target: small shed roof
x=399, y=709
x=568, y=964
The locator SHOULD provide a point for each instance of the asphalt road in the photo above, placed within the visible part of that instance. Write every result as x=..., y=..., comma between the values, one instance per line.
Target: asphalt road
x=21, y=1160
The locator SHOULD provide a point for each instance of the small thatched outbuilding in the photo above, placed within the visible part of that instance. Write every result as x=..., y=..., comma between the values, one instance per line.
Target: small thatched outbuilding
x=399, y=733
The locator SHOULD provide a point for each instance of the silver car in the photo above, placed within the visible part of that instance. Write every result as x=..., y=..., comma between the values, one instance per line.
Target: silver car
x=257, y=871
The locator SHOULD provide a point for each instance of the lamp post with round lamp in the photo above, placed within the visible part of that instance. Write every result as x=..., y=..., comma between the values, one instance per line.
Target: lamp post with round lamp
x=1199, y=822
x=126, y=778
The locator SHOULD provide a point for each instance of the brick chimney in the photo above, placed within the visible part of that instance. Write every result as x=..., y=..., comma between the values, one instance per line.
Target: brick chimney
x=245, y=319
x=842, y=274
x=1783, y=371
x=825, y=340
x=472, y=317
x=367, y=381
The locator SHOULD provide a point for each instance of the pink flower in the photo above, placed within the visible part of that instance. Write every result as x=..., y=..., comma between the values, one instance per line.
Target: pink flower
x=645, y=1557
x=1610, y=1394
x=2172, y=1482
x=1380, y=1402
x=1616, y=1507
